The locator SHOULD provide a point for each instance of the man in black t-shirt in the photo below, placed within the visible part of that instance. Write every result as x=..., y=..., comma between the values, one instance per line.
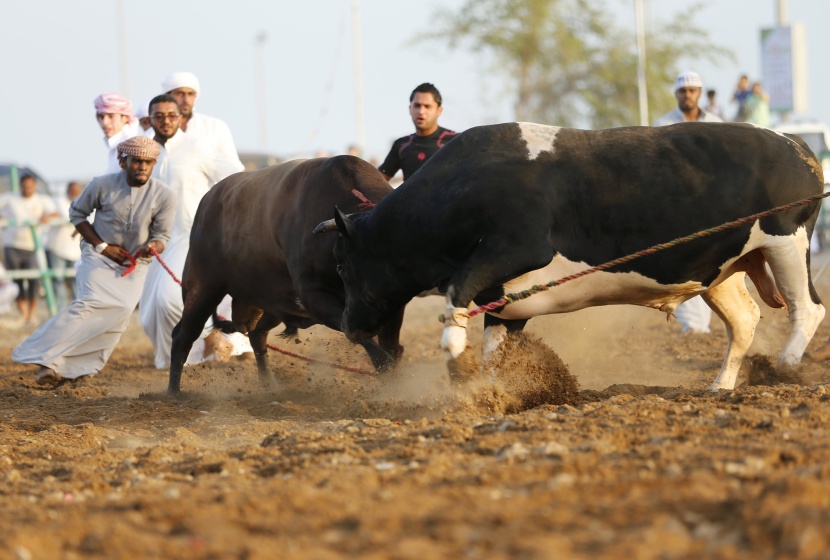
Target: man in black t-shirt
x=410, y=152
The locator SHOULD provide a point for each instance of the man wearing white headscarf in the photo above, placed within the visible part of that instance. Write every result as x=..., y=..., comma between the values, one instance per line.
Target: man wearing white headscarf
x=142, y=113
x=191, y=166
x=134, y=213
x=184, y=87
x=116, y=118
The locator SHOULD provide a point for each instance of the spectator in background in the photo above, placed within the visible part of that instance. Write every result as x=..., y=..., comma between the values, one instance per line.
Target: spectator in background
x=142, y=113
x=742, y=91
x=712, y=105
x=687, y=89
x=116, y=118
x=8, y=291
x=694, y=315
x=28, y=207
x=757, y=106
x=63, y=248
x=184, y=87
x=411, y=152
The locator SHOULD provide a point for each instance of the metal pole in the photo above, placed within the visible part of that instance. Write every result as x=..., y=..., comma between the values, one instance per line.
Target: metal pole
x=781, y=12
x=46, y=273
x=262, y=97
x=122, y=49
x=14, y=178
x=641, y=61
x=360, y=121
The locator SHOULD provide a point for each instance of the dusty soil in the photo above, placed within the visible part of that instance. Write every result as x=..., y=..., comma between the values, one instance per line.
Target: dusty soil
x=639, y=460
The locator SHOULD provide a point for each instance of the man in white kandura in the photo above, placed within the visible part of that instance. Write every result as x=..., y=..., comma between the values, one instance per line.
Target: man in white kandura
x=694, y=315
x=134, y=212
x=191, y=167
x=184, y=87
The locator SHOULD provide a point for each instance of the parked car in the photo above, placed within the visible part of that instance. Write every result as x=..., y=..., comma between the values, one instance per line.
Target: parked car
x=10, y=175
x=817, y=136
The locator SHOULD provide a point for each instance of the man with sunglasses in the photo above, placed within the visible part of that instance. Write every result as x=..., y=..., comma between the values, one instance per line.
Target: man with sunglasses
x=190, y=166
x=693, y=315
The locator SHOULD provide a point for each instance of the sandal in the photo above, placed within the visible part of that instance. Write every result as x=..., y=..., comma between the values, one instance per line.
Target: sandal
x=46, y=376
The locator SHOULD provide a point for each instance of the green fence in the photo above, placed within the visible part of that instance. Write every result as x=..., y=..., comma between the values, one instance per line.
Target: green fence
x=43, y=272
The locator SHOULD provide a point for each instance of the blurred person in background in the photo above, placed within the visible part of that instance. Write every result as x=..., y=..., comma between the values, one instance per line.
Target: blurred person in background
x=712, y=105
x=116, y=118
x=687, y=90
x=142, y=113
x=409, y=153
x=8, y=291
x=185, y=89
x=19, y=243
x=63, y=247
x=694, y=315
x=742, y=91
x=757, y=106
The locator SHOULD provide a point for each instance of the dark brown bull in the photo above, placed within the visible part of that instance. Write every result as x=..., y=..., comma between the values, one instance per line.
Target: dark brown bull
x=252, y=238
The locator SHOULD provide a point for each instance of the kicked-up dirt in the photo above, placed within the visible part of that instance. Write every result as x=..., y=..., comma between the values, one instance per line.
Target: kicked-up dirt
x=618, y=450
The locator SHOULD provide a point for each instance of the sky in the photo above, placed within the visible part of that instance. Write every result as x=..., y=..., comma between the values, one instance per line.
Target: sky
x=293, y=93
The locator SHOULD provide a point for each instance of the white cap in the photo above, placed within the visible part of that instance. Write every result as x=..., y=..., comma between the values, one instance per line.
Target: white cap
x=180, y=79
x=143, y=110
x=688, y=79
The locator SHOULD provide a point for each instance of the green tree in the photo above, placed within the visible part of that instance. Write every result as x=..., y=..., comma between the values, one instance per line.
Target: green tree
x=569, y=62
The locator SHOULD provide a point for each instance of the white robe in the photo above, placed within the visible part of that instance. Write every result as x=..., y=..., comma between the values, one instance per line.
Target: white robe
x=80, y=339
x=190, y=167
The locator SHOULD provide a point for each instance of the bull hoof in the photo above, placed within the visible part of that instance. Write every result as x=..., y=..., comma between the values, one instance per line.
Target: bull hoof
x=174, y=393
x=267, y=381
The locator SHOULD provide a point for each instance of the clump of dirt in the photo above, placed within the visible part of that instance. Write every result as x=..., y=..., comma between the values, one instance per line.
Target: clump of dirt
x=465, y=367
x=762, y=371
x=529, y=374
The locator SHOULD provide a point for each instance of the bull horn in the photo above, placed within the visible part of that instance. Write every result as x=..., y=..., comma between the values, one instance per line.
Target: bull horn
x=328, y=225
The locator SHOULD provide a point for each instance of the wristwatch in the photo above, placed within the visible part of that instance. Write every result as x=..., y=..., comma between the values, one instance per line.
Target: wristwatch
x=100, y=247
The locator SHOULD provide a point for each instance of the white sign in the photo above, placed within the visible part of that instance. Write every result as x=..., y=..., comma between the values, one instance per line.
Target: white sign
x=783, y=66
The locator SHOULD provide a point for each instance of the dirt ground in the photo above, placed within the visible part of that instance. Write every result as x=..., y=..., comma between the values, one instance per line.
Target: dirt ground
x=640, y=461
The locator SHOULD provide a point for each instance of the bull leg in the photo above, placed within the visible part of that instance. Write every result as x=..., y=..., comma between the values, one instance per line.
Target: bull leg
x=259, y=342
x=790, y=264
x=381, y=359
x=389, y=336
x=495, y=331
x=731, y=301
x=493, y=262
x=199, y=305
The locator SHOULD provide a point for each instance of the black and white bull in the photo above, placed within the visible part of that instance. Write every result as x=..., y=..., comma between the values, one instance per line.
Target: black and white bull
x=502, y=208
x=252, y=238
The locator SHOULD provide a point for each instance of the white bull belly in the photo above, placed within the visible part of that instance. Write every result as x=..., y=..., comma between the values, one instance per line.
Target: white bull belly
x=598, y=288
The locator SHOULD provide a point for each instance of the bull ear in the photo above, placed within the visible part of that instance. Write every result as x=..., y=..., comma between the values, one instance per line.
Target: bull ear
x=344, y=224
